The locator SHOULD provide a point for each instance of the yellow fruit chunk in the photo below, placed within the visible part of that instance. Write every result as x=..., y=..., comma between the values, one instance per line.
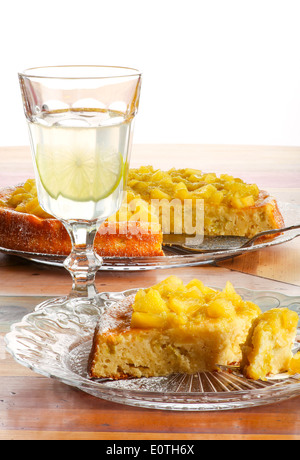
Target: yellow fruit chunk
x=294, y=365
x=236, y=202
x=150, y=302
x=146, y=320
x=182, y=194
x=184, y=306
x=210, y=178
x=169, y=285
x=157, y=194
x=231, y=294
x=157, y=176
x=200, y=285
x=220, y=308
x=248, y=201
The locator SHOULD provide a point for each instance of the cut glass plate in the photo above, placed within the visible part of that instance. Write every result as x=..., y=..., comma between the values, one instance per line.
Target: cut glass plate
x=56, y=342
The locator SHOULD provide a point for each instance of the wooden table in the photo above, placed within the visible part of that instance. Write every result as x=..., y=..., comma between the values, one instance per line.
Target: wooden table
x=34, y=407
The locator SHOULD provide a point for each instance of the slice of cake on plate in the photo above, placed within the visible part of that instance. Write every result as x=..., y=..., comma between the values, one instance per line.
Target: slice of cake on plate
x=171, y=328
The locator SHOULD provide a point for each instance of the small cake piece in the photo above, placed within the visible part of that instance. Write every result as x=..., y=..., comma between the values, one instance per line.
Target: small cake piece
x=171, y=328
x=268, y=348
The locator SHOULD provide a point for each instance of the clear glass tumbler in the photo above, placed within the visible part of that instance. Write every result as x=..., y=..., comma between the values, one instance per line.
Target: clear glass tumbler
x=80, y=121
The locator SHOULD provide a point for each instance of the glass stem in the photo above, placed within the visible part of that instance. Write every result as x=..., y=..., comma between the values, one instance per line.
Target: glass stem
x=83, y=262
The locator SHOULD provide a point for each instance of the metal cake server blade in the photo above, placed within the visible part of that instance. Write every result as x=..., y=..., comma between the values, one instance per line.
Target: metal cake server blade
x=178, y=243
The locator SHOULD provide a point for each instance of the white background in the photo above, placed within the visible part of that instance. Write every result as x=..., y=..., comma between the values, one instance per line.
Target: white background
x=214, y=71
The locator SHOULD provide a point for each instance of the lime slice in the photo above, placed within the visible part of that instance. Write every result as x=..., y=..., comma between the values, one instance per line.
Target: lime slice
x=79, y=175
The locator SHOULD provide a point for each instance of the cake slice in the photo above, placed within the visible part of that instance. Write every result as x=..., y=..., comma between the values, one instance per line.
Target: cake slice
x=171, y=328
x=268, y=348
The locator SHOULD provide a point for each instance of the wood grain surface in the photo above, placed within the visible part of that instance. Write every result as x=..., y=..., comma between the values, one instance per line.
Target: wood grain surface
x=35, y=407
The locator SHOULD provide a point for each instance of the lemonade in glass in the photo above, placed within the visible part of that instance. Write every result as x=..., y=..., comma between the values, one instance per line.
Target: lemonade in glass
x=80, y=121
x=80, y=159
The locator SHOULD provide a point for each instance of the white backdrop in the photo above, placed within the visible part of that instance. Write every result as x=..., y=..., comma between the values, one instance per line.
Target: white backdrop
x=214, y=71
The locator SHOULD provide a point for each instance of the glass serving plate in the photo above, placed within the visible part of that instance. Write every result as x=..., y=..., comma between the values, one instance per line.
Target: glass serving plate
x=56, y=342
x=290, y=212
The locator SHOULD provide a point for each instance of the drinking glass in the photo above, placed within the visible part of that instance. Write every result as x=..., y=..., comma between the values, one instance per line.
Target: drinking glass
x=80, y=121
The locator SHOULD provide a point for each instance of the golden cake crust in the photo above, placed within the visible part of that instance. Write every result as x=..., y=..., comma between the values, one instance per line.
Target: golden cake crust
x=114, y=322
x=26, y=232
